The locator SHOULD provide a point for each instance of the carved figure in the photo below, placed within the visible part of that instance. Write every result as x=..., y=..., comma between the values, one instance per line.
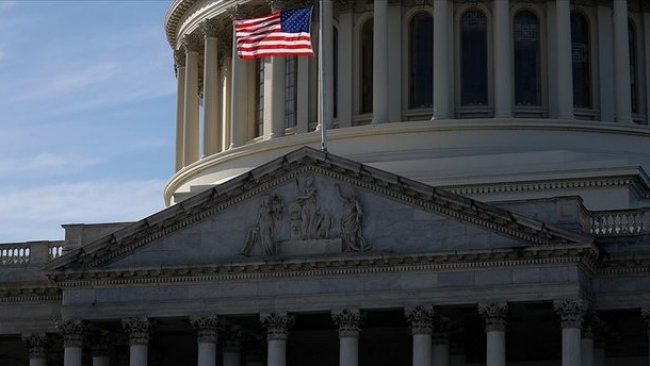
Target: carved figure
x=307, y=220
x=352, y=224
x=268, y=220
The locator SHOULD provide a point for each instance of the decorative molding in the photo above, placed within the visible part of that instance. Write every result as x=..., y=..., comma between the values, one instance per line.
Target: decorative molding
x=348, y=322
x=571, y=312
x=420, y=319
x=72, y=332
x=277, y=325
x=210, y=28
x=138, y=330
x=495, y=315
x=30, y=293
x=206, y=328
x=36, y=344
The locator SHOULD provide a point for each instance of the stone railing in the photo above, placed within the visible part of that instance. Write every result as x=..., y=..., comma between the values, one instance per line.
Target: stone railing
x=628, y=222
x=30, y=253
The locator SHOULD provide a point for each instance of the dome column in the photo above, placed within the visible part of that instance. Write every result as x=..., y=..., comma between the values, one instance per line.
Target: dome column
x=622, y=62
x=192, y=44
x=564, y=74
x=238, y=91
x=179, y=57
x=380, y=62
x=440, y=59
x=326, y=67
x=212, y=114
x=502, y=60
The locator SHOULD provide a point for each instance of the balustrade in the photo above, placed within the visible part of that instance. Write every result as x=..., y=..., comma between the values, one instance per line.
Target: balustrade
x=619, y=222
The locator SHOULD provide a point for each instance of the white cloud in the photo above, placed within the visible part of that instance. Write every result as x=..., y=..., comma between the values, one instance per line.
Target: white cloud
x=38, y=213
x=46, y=164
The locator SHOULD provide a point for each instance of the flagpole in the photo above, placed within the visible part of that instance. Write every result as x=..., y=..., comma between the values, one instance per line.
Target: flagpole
x=324, y=117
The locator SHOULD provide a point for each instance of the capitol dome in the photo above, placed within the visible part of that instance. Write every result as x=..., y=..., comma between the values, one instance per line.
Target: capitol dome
x=496, y=100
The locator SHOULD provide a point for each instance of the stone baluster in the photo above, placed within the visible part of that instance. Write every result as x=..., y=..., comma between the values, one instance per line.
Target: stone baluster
x=206, y=338
x=347, y=322
x=212, y=126
x=277, y=331
x=571, y=315
x=192, y=45
x=138, y=330
x=420, y=322
x=36, y=344
x=179, y=58
x=73, y=333
x=495, y=328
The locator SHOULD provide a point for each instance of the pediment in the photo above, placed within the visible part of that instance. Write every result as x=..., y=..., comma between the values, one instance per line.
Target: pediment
x=311, y=203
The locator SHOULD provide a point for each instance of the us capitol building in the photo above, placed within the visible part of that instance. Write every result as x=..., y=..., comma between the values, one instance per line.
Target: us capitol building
x=485, y=200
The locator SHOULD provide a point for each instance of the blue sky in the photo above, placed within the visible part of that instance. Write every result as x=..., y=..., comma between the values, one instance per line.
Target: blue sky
x=87, y=108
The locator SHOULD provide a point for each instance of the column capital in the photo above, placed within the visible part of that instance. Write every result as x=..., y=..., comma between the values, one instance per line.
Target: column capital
x=210, y=28
x=179, y=58
x=206, y=328
x=347, y=321
x=420, y=319
x=495, y=315
x=571, y=312
x=138, y=329
x=73, y=332
x=192, y=43
x=36, y=344
x=277, y=325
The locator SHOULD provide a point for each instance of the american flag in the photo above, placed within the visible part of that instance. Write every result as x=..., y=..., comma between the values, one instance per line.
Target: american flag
x=281, y=33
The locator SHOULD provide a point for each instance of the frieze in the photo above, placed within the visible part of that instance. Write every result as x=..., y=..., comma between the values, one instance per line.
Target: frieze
x=306, y=162
x=336, y=266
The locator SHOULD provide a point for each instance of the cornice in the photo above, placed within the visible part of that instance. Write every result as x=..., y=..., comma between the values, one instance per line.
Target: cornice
x=309, y=161
x=30, y=293
x=334, y=266
x=631, y=264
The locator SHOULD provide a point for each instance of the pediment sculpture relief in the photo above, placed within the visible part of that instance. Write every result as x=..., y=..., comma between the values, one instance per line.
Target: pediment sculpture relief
x=311, y=226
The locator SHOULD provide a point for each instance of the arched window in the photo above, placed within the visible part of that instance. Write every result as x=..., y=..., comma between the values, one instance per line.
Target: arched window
x=366, y=66
x=527, y=60
x=581, y=61
x=259, y=97
x=473, y=39
x=421, y=61
x=634, y=95
x=290, y=91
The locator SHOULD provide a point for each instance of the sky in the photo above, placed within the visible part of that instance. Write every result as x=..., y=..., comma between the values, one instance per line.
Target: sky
x=87, y=114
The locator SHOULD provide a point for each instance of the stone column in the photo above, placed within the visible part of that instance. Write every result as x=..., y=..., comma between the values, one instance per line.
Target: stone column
x=502, y=60
x=419, y=319
x=254, y=350
x=211, y=92
x=231, y=340
x=274, y=97
x=570, y=312
x=138, y=331
x=347, y=322
x=622, y=62
x=36, y=344
x=645, y=313
x=345, y=71
x=179, y=57
x=441, y=77
x=456, y=352
x=101, y=346
x=73, y=332
x=277, y=330
x=225, y=45
x=238, y=97
x=206, y=338
x=192, y=45
x=587, y=341
x=564, y=75
x=326, y=45
x=440, y=341
x=380, y=62
x=495, y=328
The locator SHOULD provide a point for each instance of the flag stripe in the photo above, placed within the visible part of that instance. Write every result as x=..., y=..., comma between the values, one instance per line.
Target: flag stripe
x=281, y=33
